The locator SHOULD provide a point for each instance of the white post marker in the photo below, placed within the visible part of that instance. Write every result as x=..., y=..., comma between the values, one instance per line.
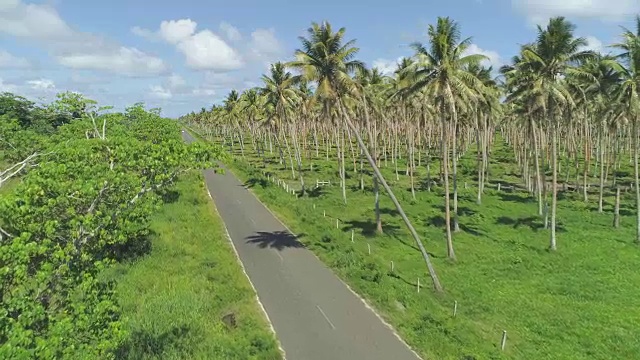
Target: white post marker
x=337, y=224
x=455, y=308
x=352, y=235
x=418, y=285
x=391, y=265
x=369, y=247
x=504, y=340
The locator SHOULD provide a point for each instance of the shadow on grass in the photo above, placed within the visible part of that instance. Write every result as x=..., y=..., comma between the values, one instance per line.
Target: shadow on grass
x=278, y=240
x=136, y=246
x=316, y=192
x=144, y=344
x=252, y=182
x=368, y=228
x=532, y=222
x=439, y=222
x=516, y=197
x=170, y=196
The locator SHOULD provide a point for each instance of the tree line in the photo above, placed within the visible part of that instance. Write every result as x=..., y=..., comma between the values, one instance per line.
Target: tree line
x=557, y=105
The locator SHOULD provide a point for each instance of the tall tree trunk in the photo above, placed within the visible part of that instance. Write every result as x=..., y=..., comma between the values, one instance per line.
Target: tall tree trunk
x=554, y=184
x=432, y=272
x=447, y=207
x=636, y=174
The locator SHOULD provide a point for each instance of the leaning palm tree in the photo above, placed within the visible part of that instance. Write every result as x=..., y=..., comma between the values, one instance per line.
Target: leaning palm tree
x=441, y=73
x=327, y=61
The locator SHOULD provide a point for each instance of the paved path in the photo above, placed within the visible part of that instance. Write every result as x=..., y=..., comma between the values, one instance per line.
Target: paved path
x=314, y=314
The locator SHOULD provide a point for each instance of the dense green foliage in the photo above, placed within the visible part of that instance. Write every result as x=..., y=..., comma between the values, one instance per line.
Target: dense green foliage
x=87, y=191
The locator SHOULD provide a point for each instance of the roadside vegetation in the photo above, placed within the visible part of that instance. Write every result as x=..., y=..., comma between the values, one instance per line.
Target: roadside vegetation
x=102, y=255
x=511, y=202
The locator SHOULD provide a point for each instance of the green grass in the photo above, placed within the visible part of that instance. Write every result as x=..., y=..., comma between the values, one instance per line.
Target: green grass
x=175, y=297
x=582, y=302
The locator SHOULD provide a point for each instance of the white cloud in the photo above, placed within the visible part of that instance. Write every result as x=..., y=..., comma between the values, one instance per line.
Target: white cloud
x=159, y=92
x=494, y=58
x=387, y=67
x=593, y=44
x=230, y=31
x=8, y=60
x=176, y=31
x=42, y=85
x=539, y=11
x=127, y=61
x=144, y=33
x=265, y=45
x=204, y=92
x=176, y=81
x=203, y=50
x=207, y=51
x=79, y=50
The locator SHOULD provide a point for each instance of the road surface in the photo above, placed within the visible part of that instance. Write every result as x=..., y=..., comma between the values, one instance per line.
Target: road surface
x=314, y=314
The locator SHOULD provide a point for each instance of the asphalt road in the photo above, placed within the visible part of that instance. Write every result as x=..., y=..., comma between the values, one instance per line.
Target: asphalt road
x=314, y=314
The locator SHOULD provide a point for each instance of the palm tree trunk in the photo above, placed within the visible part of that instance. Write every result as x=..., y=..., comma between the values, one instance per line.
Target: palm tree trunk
x=636, y=175
x=554, y=184
x=432, y=272
x=447, y=207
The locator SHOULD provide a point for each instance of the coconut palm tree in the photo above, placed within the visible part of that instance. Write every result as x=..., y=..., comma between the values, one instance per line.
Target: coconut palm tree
x=555, y=55
x=280, y=93
x=327, y=61
x=441, y=73
x=628, y=94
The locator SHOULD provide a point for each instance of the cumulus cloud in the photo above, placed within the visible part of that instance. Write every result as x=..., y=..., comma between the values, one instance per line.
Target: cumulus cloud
x=593, y=44
x=264, y=44
x=207, y=50
x=387, y=67
x=127, y=61
x=42, y=85
x=203, y=50
x=539, y=11
x=494, y=58
x=160, y=92
x=8, y=60
x=42, y=24
x=230, y=31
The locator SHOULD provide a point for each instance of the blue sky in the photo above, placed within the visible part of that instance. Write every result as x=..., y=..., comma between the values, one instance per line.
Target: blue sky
x=183, y=55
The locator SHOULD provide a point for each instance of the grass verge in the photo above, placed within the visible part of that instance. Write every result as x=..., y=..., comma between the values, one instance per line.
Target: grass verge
x=188, y=297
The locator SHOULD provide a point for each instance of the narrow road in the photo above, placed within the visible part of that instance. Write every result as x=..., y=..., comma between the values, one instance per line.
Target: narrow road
x=314, y=314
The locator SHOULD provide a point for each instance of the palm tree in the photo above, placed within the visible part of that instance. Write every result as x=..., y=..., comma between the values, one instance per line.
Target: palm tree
x=628, y=94
x=281, y=95
x=327, y=61
x=555, y=54
x=441, y=73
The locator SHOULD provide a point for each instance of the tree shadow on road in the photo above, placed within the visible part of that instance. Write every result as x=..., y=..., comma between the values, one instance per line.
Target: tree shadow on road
x=278, y=240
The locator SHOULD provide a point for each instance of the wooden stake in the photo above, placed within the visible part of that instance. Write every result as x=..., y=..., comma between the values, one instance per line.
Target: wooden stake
x=504, y=340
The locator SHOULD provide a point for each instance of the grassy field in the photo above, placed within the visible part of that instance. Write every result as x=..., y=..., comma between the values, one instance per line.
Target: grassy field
x=188, y=297
x=581, y=302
